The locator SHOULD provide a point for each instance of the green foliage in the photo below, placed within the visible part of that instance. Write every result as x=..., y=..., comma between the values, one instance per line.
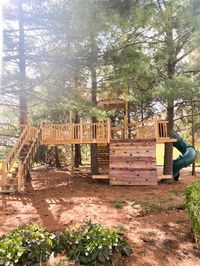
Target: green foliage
x=192, y=201
x=91, y=244
x=118, y=204
x=28, y=245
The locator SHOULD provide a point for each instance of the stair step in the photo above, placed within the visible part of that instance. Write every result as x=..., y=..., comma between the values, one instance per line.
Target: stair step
x=10, y=182
x=7, y=192
x=11, y=177
x=7, y=188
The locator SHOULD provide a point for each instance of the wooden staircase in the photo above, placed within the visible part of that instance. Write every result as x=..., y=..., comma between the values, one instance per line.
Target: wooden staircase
x=17, y=164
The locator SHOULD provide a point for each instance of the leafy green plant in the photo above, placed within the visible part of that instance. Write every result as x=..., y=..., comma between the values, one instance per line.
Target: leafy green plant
x=92, y=244
x=192, y=202
x=118, y=204
x=27, y=245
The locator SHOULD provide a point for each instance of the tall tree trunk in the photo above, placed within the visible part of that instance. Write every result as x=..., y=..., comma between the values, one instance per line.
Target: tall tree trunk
x=142, y=111
x=193, y=137
x=57, y=159
x=77, y=148
x=22, y=65
x=22, y=73
x=168, y=155
x=94, y=147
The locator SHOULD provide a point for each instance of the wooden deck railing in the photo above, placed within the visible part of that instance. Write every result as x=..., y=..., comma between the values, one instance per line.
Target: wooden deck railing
x=102, y=132
x=143, y=129
x=76, y=133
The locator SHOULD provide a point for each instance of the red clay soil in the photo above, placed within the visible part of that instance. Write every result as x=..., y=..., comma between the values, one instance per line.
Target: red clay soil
x=153, y=218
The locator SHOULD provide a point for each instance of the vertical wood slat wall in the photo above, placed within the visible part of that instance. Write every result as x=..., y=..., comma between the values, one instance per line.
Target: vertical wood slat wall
x=133, y=162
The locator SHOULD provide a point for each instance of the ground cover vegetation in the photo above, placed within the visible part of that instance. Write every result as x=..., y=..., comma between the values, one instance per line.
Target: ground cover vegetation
x=89, y=244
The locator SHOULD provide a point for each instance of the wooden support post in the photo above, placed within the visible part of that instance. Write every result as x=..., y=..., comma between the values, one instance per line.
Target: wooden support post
x=20, y=177
x=29, y=132
x=109, y=130
x=81, y=131
x=126, y=121
x=126, y=115
x=40, y=131
x=156, y=126
x=72, y=159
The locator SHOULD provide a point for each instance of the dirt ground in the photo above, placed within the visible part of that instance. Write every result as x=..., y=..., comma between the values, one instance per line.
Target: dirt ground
x=153, y=218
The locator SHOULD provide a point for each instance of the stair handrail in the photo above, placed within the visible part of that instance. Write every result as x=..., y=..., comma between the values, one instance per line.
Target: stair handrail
x=13, y=154
x=25, y=164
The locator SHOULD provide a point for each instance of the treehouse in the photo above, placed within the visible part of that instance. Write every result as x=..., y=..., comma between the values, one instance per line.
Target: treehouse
x=126, y=152
x=130, y=160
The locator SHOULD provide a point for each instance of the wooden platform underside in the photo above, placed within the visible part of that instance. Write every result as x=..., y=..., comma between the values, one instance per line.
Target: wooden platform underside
x=100, y=177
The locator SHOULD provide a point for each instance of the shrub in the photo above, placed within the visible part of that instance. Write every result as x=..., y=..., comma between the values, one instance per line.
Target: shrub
x=28, y=245
x=192, y=202
x=91, y=244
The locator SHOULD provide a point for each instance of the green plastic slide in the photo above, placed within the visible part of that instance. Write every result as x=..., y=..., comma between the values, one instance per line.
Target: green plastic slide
x=187, y=158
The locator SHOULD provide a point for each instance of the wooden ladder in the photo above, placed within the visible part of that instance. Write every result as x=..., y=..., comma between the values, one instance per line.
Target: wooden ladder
x=12, y=178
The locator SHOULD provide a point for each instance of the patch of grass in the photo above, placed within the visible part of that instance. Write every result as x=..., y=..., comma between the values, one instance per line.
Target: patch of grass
x=148, y=206
x=176, y=192
x=160, y=154
x=120, y=229
x=118, y=204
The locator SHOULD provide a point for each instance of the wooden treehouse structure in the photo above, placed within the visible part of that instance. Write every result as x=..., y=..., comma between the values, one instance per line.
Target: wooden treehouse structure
x=128, y=153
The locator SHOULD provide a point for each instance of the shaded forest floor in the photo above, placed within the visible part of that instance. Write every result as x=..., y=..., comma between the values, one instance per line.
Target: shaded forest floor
x=153, y=218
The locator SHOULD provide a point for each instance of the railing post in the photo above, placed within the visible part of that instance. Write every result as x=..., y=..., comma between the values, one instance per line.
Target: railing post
x=20, y=183
x=166, y=130
x=29, y=132
x=40, y=130
x=156, y=126
x=81, y=131
x=2, y=183
x=108, y=130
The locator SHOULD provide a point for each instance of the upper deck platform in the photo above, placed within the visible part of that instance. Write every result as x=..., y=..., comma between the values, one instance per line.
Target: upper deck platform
x=103, y=132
